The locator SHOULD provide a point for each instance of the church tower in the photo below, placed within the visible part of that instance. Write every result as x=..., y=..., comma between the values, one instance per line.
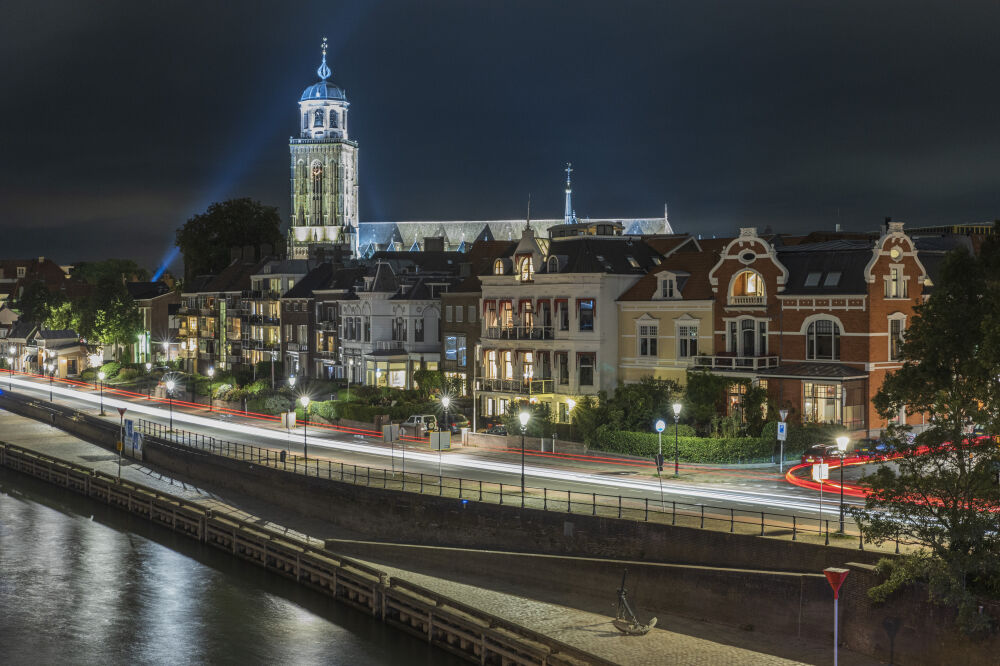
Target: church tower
x=324, y=179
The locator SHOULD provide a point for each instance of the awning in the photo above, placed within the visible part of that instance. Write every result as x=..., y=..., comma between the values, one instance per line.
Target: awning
x=830, y=371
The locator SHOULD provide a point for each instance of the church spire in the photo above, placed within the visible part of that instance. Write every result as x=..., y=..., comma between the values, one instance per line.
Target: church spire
x=324, y=71
x=568, y=214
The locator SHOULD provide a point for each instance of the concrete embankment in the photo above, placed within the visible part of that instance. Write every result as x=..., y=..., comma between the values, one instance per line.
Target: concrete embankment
x=463, y=630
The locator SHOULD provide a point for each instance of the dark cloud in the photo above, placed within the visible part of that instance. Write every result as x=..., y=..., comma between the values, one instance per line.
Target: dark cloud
x=122, y=119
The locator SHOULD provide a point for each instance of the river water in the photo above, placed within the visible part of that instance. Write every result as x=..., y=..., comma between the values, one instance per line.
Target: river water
x=83, y=583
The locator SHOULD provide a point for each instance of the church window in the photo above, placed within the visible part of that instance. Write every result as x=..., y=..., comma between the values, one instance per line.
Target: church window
x=318, y=122
x=317, y=194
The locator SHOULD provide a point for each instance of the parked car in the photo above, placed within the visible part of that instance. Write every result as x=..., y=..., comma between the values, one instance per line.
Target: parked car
x=498, y=429
x=456, y=422
x=818, y=453
x=409, y=426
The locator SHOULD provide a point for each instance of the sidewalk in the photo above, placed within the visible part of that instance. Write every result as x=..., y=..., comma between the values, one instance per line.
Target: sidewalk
x=679, y=641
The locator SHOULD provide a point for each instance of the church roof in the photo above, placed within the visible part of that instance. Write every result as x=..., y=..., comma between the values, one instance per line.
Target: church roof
x=322, y=90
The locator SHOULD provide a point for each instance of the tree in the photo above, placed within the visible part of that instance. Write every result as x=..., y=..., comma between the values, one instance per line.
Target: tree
x=33, y=302
x=942, y=494
x=704, y=396
x=94, y=272
x=206, y=239
x=540, y=424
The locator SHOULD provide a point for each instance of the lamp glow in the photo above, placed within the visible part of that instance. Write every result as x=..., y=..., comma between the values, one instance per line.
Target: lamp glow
x=445, y=401
x=101, y=376
x=842, y=443
x=305, y=401
x=677, y=408
x=523, y=417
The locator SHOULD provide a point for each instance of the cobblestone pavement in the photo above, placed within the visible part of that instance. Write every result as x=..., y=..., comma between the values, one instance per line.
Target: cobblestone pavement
x=676, y=641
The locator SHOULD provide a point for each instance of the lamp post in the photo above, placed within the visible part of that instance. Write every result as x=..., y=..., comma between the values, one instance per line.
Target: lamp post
x=291, y=382
x=523, y=417
x=101, y=376
x=781, y=455
x=305, y=424
x=166, y=352
x=445, y=401
x=660, y=427
x=170, y=401
x=570, y=403
x=51, y=368
x=10, y=370
x=149, y=388
x=842, y=449
x=211, y=373
x=677, y=418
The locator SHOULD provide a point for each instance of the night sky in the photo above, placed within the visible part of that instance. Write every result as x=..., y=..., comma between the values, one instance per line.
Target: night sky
x=120, y=120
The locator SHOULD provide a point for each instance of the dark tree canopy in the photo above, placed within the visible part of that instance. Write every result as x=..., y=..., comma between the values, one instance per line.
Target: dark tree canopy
x=207, y=238
x=942, y=494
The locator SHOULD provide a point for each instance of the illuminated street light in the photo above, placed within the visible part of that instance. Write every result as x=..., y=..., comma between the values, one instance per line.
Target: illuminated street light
x=842, y=450
x=211, y=373
x=523, y=417
x=149, y=388
x=101, y=376
x=305, y=424
x=445, y=401
x=170, y=401
x=677, y=418
x=51, y=367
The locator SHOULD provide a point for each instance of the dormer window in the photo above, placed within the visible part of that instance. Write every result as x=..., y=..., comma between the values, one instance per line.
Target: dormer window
x=632, y=262
x=812, y=279
x=553, y=265
x=527, y=270
x=498, y=267
x=668, y=287
x=832, y=279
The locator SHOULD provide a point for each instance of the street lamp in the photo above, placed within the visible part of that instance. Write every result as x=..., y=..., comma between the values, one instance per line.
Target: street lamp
x=170, y=401
x=445, y=401
x=305, y=424
x=677, y=418
x=523, y=418
x=51, y=368
x=149, y=388
x=570, y=404
x=211, y=373
x=660, y=427
x=291, y=381
x=842, y=449
x=10, y=369
x=101, y=376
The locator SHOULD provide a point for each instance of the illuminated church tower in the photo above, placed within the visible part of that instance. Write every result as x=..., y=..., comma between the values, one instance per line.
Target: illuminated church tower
x=324, y=173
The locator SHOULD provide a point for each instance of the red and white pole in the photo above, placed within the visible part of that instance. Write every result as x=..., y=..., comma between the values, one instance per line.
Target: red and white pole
x=836, y=578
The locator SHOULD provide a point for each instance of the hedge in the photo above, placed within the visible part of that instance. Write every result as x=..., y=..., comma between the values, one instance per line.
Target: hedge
x=690, y=449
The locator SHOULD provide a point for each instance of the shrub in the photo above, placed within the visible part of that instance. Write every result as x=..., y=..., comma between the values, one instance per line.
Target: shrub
x=690, y=449
x=258, y=386
x=222, y=391
x=111, y=370
x=126, y=375
x=271, y=404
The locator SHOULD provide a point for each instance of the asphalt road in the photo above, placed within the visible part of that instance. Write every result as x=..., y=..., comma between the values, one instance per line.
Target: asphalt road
x=741, y=489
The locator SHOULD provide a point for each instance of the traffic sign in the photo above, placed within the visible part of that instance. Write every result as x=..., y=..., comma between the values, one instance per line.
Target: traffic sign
x=782, y=431
x=122, y=410
x=820, y=472
x=660, y=426
x=783, y=413
x=128, y=428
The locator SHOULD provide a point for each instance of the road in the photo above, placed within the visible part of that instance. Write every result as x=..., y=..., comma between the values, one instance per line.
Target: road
x=741, y=489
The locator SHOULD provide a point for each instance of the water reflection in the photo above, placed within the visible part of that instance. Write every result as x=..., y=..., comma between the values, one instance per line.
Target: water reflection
x=83, y=583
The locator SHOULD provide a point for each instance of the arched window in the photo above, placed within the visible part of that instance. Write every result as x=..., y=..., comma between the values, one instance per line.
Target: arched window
x=747, y=289
x=553, y=264
x=527, y=270
x=498, y=267
x=300, y=176
x=316, y=203
x=333, y=118
x=318, y=121
x=823, y=340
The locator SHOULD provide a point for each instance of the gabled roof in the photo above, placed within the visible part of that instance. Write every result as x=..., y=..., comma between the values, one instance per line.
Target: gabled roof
x=317, y=278
x=22, y=330
x=695, y=287
x=57, y=335
x=384, y=280
x=235, y=277
x=667, y=244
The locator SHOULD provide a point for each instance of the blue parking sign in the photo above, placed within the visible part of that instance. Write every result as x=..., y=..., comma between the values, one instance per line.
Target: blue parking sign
x=782, y=431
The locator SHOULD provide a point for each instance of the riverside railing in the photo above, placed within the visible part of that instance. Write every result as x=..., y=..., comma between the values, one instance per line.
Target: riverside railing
x=571, y=502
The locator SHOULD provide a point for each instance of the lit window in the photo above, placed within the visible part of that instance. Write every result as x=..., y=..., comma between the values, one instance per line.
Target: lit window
x=527, y=270
x=586, y=315
x=498, y=267
x=632, y=262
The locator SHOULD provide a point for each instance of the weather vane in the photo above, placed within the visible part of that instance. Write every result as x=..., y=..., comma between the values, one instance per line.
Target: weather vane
x=323, y=71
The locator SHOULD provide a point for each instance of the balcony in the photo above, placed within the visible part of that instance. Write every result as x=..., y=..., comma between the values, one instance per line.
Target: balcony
x=261, y=294
x=262, y=320
x=732, y=362
x=520, y=333
x=746, y=300
x=388, y=345
x=519, y=386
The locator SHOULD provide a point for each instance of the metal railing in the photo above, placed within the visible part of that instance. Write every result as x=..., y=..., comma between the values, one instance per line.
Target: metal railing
x=520, y=332
x=624, y=507
x=522, y=386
